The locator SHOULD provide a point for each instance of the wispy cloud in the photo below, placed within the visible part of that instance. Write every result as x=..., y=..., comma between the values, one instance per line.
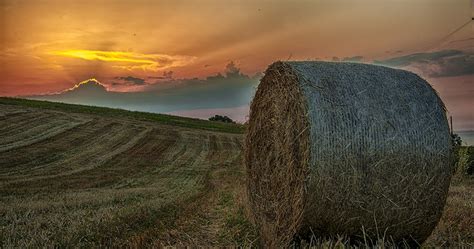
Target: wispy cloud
x=132, y=80
x=130, y=60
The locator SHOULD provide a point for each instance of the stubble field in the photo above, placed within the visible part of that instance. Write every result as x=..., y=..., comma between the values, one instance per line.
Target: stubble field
x=73, y=179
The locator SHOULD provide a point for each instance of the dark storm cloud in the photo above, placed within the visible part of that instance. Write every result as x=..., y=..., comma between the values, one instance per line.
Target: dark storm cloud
x=455, y=66
x=229, y=89
x=132, y=80
x=445, y=63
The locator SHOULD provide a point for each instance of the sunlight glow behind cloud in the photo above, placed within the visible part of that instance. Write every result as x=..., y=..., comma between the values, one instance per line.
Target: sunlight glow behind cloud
x=88, y=81
x=130, y=60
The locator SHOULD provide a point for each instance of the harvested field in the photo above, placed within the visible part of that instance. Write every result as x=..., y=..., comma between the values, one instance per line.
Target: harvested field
x=113, y=180
x=86, y=180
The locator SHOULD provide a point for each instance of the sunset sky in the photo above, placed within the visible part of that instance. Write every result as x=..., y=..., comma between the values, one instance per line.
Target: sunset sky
x=50, y=45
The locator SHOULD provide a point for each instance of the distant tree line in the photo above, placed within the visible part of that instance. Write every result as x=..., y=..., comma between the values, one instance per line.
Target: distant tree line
x=220, y=118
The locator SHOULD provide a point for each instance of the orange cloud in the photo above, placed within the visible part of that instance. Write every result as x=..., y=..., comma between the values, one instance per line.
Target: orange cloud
x=88, y=81
x=130, y=60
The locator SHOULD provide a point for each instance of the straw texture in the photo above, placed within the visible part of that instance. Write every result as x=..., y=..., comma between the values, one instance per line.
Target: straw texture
x=346, y=149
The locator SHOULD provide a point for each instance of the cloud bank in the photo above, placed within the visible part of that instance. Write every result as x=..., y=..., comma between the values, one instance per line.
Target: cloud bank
x=226, y=93
x=445, y=63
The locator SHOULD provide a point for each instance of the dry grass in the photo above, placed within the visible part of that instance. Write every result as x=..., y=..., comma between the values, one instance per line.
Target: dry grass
x=456, y=226
x=117, y=182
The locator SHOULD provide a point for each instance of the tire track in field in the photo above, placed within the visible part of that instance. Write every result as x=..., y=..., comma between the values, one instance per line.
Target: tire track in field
x=52, y=149
x=210, y=219
x=184, y=179
x=15, y=124
x=14, y=112
x=39, y=133
x=230, y=145
x=7, y=110
x=128, y=169
x=183, y=168
x=87, y=157
x=140, y=162
x=70, y=151
x=205, y=218
x=224, y=182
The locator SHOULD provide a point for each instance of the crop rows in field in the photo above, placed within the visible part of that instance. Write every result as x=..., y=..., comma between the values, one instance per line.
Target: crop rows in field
x=90, y=180
x=20, y=128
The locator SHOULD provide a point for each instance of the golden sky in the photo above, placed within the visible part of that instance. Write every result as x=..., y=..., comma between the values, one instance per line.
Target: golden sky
x=49, y=45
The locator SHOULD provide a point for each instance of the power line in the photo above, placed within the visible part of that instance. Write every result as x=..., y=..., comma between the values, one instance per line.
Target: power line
x=446, y=37
x=441, y=41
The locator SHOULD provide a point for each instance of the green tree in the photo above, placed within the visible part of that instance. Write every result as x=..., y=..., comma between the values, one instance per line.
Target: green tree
x=220, y=118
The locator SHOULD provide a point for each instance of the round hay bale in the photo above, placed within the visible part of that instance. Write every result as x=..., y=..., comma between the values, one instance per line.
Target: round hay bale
x=348, y=149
